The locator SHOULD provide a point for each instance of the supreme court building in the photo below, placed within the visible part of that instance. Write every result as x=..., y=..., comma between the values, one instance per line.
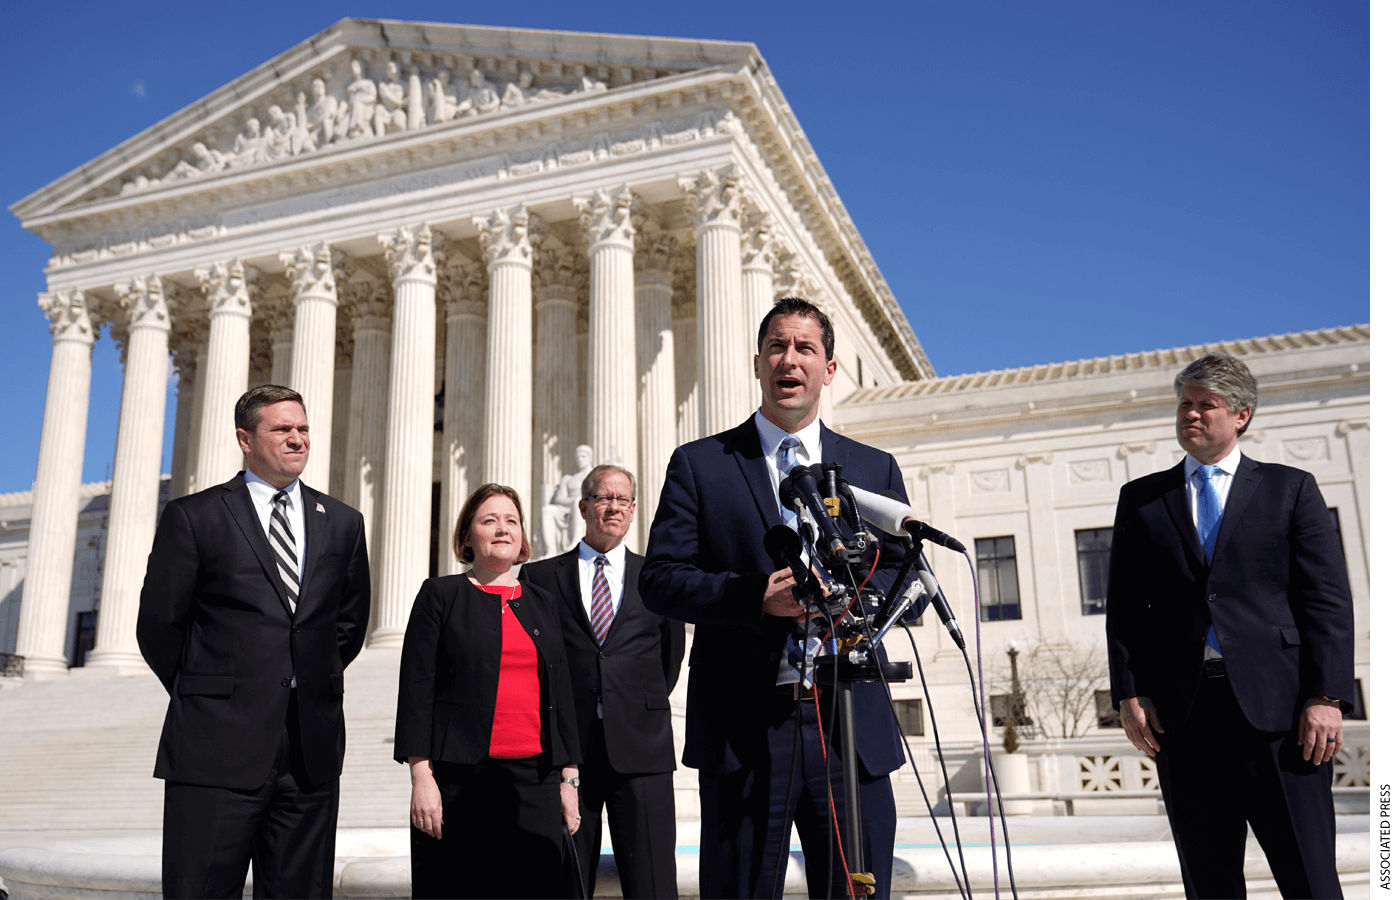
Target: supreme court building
x=470, y=249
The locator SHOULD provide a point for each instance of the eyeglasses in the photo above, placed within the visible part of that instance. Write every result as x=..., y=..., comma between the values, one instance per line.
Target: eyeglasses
x=614, y=502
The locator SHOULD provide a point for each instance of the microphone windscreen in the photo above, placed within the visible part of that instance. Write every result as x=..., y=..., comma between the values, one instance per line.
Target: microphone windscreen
x=885, y=513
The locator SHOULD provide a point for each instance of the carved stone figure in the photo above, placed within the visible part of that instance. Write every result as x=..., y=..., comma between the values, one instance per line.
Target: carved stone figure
x=561, y=523
x=484, y=97
x=390, y=114
x=248, y=146
x=441, y=100
x=356, y=118
x=320, y=118
x=206, y=162
x=277, y=140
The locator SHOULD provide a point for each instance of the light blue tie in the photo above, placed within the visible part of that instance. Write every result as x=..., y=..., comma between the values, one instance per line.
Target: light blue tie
x=1208, y=526
x=787, y=458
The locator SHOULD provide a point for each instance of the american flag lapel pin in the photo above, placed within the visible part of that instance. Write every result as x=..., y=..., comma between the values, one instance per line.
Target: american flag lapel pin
x=320, y=509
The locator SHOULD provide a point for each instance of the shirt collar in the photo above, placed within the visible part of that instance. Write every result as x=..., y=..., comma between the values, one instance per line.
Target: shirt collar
x=770, y=436
x=1228, y=465
x=616, y=556
x=263, y=492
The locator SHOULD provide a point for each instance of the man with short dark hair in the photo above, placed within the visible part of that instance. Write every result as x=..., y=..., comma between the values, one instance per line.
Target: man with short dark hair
x=256, y=599
x=1230, y=644
x=624, y=661
x=751, y=716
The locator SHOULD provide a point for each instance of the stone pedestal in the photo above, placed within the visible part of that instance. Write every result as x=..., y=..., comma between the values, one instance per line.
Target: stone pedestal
x=131, y=522
x=312, y=374
x=53, y=524
x=408, y=451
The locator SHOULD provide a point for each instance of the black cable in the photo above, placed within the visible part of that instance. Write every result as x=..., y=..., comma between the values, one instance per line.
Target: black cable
x=996, y=785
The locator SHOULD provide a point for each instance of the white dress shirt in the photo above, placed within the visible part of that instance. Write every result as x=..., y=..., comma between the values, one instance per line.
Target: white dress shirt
x=1222, y=480
x=613, y=572
x=262, y=494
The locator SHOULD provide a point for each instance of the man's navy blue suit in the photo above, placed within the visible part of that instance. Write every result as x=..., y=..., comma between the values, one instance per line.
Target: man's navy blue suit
x=1275, y=589
x=706, y=565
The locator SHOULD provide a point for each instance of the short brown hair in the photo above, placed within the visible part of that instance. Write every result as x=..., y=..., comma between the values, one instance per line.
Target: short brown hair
x=247, y=412
x=796, y=306
x=462, y=546
x=1223, y=374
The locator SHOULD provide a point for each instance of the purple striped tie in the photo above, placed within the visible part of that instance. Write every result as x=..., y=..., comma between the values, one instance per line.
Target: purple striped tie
x=602, y=614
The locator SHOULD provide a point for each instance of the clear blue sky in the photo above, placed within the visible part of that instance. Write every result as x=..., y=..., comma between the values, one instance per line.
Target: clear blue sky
x=1038, y=181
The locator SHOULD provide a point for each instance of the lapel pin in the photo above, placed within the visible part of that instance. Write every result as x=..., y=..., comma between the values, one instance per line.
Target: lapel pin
x=320, y=509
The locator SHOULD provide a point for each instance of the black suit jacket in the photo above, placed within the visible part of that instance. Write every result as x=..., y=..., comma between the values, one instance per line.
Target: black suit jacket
x=216, y=627
x=451, y=667
x=634, y=670
x=706, y=564
x=1275, y=589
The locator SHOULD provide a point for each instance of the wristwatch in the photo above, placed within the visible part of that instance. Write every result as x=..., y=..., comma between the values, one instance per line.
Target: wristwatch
x=573, y=781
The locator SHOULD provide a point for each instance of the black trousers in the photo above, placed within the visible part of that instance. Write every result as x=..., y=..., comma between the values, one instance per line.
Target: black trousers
x=744, y=838
x=286, y=828
x=641, y=819
x=502, y=833
x=1218, y=772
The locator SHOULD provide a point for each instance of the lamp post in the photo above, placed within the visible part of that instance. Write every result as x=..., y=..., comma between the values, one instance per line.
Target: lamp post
x=1018, y=699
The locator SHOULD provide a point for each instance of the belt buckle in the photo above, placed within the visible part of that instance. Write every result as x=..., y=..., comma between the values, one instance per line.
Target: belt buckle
x=1215, y=668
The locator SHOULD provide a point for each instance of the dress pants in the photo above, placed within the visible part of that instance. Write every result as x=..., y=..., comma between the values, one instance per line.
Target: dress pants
x=641, y=818
x=1218, y=772
x=502, y=833
x=286, y=828
x=744, y=839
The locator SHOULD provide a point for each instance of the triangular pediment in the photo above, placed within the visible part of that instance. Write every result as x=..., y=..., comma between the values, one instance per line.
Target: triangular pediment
x=362, y=81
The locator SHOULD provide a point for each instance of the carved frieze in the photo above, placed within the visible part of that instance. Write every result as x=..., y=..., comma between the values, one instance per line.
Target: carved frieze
x=1306, y=450
x=991, y=481
x=1090, y=471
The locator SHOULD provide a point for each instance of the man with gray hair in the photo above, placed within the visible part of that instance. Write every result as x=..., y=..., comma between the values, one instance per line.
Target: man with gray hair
x=1230, y=644
x=624, y=660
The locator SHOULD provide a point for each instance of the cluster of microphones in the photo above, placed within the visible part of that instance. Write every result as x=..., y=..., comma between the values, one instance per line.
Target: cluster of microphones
x=824, y=502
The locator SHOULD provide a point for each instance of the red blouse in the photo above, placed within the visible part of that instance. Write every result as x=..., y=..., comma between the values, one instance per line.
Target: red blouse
x=515, y=730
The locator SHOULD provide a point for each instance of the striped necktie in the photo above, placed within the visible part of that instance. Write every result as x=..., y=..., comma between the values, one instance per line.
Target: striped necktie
x=787, y=458
x=601, y=616
x=284, y=545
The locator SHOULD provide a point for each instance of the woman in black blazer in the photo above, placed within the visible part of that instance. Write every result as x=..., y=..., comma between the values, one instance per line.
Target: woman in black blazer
x=486, y=720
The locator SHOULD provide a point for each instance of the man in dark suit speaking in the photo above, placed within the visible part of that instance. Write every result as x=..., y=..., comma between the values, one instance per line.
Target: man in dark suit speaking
x=624, y=661
x=1230, y=645
x=256, y=599
x=751, y=726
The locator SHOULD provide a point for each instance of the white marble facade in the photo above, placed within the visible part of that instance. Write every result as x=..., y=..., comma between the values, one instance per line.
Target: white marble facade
x=470, y=249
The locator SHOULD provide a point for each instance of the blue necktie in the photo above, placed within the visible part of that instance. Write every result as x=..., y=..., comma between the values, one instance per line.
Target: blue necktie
x=1208, y=526
x=787, y=458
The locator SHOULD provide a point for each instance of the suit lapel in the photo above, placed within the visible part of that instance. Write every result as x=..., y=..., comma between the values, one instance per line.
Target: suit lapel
x=315, y=534
x=569, y=589
x=1178, y=503
x=748, y=454
x=240, y=507
x=1241, y=489
x=630, y=599
x=835, y=448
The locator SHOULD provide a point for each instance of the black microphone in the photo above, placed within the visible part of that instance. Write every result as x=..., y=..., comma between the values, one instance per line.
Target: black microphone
x=938, y=601
x=800, y=487
x=785, y=549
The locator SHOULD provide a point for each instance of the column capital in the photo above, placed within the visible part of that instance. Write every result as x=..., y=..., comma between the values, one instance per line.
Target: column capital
x=560, y=273
x=368, y=300
x=606, y=216
x=508, y=236
x=462, y=283
x=144, y=300
x=714, y=197
x=413, y=253
x=311, y=270
x=225, y=286
x=756, y=240
x=657, y=253
x=67, y=312
x=683, y=294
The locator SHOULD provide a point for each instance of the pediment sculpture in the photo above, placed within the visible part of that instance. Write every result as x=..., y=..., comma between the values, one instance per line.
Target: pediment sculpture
x=364, y=108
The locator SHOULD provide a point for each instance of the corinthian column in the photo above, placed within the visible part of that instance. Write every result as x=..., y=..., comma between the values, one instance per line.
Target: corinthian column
x=464, y=402
x=408, y=451
x=225, y=372
x=687, y=357
x=713, y=200
x=184, y=349
x=131, y=522
x=53, y=522
x=311, y=272
x=559, y=274
x=756, y=251
x=340, y=417
x=656, y=361
x=506, y=246
x=275, y=308
x=612, y=327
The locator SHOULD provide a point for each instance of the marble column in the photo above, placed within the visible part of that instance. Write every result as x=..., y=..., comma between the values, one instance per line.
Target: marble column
x=713, y=199
x=344, y=383
x=281, y=320
x=464, y=401
x=756, y=253
x=687, y=357
x=606, y=218
x=312, y=274
x=201, y=383
x=182, y=345
x=131, y=520
x=506, y=245
x=53, y=523
x=560, y=277
x=408, y=450
x=226, y=372
x=656, y=364
x=367, y=299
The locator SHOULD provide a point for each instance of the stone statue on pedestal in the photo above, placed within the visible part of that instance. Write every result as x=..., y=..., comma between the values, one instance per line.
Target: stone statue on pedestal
x=561, y=523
